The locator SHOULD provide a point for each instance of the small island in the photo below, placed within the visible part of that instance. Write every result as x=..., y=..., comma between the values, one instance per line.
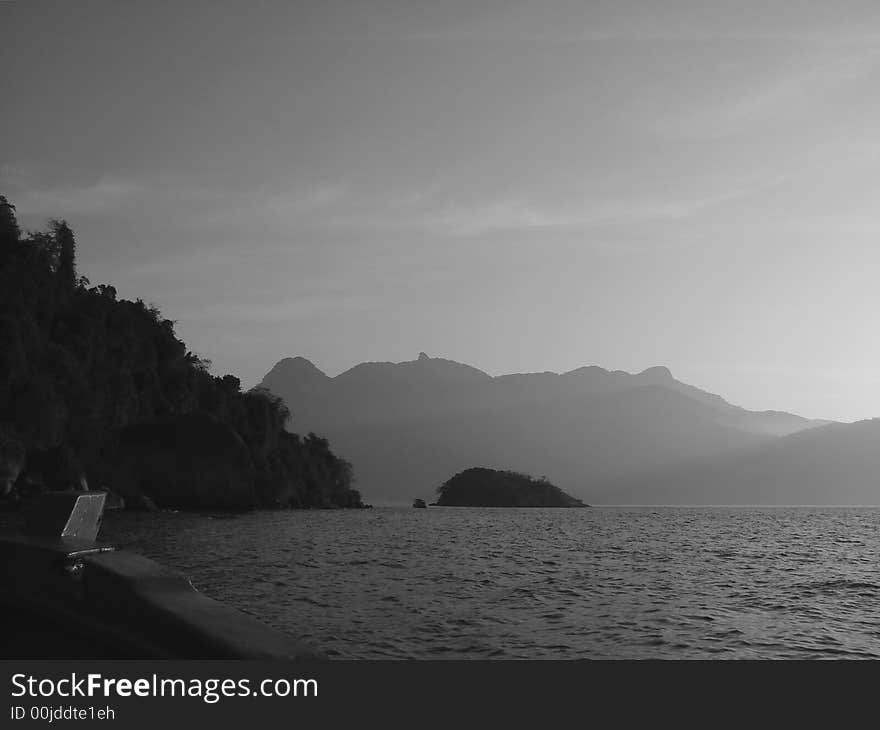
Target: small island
x=481, y=487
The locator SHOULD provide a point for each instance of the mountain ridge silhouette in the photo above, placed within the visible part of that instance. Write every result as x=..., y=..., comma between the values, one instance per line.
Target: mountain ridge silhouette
x=409, y=426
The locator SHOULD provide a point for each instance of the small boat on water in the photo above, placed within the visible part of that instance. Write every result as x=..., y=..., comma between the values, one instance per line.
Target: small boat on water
x=419, y=503
x=66, y=596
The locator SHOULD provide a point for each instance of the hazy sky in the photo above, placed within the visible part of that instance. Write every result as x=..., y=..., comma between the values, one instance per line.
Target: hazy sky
x=519, y=186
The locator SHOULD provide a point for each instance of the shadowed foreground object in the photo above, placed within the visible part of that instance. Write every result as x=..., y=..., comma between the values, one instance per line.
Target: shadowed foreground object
x=67, y=597
x=68, y=515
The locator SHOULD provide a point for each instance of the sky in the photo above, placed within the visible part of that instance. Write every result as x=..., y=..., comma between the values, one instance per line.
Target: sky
x=521, y=186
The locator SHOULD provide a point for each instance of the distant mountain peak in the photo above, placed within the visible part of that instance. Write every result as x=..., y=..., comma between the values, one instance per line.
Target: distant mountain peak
x=588, y=370
x=295, y=367
x=423, y=369
x=658, y=373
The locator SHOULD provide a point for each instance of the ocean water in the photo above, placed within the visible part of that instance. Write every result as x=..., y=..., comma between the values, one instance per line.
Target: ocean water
x=540, y=583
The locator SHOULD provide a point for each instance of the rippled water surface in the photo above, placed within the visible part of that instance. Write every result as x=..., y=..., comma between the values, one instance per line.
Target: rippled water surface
x=536, y=583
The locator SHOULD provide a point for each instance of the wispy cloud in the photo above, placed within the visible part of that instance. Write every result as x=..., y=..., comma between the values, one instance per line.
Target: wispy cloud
x=439, y=216
x=39, y=193
x=554, y=22
x=798, y=93
x=289, y=216
x=306, y=306
x=34, y=197
x=638, y=35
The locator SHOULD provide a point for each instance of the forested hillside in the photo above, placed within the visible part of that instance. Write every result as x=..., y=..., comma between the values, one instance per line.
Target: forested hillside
x=100, y=387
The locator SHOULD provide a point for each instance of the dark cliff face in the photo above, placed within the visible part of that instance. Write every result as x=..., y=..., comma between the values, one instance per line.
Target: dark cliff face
x=101, y=387
x=481, y=487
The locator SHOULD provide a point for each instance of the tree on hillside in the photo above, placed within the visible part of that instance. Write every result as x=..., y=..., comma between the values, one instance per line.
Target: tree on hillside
x=9, y=230
x=66, y=253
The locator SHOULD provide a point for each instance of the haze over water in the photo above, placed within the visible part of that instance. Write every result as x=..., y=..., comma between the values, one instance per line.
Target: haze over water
x=629, y=582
